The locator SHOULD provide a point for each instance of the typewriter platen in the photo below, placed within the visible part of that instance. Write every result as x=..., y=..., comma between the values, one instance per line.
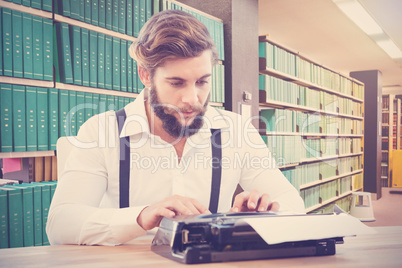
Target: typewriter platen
x=219, y=238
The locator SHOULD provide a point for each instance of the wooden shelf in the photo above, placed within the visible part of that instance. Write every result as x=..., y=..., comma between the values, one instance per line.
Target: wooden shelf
x=26, y=81
x=315, y=159
x=273, y=133
x=96, y=90
x=28, y=154
x=329, y=201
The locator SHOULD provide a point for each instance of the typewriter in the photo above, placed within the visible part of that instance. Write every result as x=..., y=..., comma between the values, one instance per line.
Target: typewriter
x=224, y=237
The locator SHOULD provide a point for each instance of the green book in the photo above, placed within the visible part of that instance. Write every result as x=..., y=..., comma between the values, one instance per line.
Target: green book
x=122, y=16
x=95, y=12
x=45, y=211
x=75, y=9
x=116, y=103
x=110, y=103
x=268, y=116
x=156, y=6
x=116, y=63
x=72, y=114
x=101, y=60
x=82, y=10
x=47, y=5
x=53, y=117
x=31, y=118
x=129, y=73
x=136, y=17
x=93, y=59
x=37, y=32
x=27, y=44
x=80, y=109
x=63, y=111
x=75, y=37
x=47, y=49
x=102, y=104
x=3, y=219
x=26, y=3
x=142, y=13
x=7, y=43
x=95, y=102
x=108, y=15
x=121, y=103
x=15, y=217
x=64, y=55
x=102, y=14
x=135, y=77
x=19, y=116
x=17, y=44
x=85, y=56
x=36, y=4
x=108, y=61
x=1, y=42
x=37, y=212
x=148, y=10
x=130, y=25
x=89, y=110
x=115, y=15
x=64, y=7
x=88, y=10
x=6, y=113
x=123, y=61
x=28, y=212
x=43, y=118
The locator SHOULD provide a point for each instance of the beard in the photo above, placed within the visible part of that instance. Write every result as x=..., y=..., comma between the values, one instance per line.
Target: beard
x=170, y=123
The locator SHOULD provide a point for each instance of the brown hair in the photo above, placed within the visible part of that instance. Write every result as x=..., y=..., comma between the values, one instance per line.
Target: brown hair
x=168, y=35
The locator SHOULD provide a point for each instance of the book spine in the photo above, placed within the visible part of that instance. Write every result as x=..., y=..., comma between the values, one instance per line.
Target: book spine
x=47, y=5
x=27, y=199
x=43, y=118
x=27, y=44
x=88, y=10
x=7, y=43
x=135, y=77
x=102, y=13
x=148, y=10
x=101, y=60
x=75, y=37
x=115, y=15
x=31, y=117
x=17, y=43
x=110, y=103
x=63, y=111
x=108, y=61
x=95, y=12
x=129, y=25
x=35, y=4
x=72, y=114
x=75, y=9
x=47, y=164
x=6, y=118
x=53, y=117
x=85, y=56
x=123, y=72
x=15, y=215
x=108, y=15
x=122, y=16
x=89, y=111
x=37, y=29
x=45, y=212
x=80, y=109
x=19, y=116
x=47, y=49
x=116, y=63
x=129, y=74
x=142, y=13
x=93, y=58
x=65, y=65
x=3, y=219
x=82, y=10
x=136, y=18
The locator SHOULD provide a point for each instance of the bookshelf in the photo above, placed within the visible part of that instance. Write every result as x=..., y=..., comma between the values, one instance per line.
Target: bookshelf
x=312, y=119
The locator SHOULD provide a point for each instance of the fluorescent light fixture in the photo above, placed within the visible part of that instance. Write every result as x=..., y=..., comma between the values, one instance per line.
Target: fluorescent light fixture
x=354, y=10
x=390, y=48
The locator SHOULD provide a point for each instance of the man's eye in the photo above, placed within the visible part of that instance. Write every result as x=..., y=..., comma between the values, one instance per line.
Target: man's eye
x=202, y=82
x=176, y=84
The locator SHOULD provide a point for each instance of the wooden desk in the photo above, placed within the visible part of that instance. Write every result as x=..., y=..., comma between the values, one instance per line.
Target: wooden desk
x=383, y=249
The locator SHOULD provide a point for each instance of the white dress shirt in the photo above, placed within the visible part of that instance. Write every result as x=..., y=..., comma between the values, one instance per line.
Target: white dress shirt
x=85, y=207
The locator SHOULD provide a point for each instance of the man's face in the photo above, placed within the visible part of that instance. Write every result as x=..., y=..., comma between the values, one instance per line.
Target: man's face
x=180, y=92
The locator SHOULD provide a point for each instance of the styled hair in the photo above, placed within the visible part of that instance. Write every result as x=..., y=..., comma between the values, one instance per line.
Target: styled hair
x=171, y=34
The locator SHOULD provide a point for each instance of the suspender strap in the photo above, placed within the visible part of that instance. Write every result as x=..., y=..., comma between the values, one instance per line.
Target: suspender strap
x=124, y=184
x=216, y=169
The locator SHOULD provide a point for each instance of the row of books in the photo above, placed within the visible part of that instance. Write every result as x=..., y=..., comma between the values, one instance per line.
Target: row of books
x=287, y=62
x=26, y=45
x=314, y=172
x=321, y=193
x=284, y=120
x=33, y=118
x=279, y=90
x=295, y=149
x=23, y=214
x=46, y=5
x=343, y=203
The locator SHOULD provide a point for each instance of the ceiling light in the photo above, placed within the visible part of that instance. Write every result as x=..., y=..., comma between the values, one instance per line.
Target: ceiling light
x=390, y=48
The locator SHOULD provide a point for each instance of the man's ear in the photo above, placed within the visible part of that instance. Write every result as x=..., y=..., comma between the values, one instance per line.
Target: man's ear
x=144, y=76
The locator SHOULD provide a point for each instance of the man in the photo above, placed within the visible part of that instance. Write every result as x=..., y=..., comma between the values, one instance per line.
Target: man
x=169, y=126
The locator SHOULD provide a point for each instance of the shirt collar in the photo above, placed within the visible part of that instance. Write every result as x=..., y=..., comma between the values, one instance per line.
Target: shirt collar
x=137, y=121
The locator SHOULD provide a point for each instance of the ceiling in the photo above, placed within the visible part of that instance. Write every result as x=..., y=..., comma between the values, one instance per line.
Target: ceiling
x=320, y=31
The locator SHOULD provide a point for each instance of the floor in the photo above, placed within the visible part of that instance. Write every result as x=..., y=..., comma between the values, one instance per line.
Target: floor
x=388, y=209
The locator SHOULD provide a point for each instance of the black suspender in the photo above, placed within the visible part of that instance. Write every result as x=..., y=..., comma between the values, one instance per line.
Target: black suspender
x=124, y=185
x=125, y=165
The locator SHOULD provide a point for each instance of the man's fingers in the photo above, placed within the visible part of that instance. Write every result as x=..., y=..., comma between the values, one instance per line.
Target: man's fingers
x=274, y=206
x=239, y=201
x=253, y=200
x=264, y=202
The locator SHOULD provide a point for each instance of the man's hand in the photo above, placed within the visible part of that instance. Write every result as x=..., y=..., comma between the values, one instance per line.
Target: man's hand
x=151, y=216
x=253, y=201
